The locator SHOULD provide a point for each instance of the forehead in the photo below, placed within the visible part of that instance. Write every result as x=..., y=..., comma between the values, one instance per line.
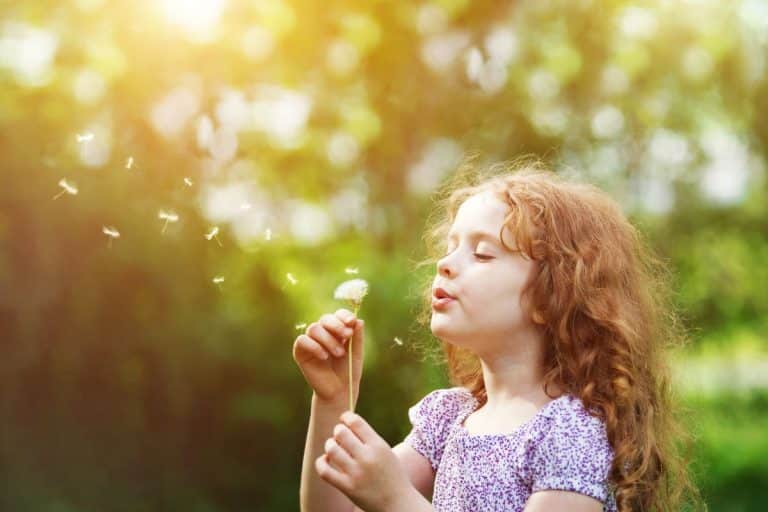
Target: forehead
x=481, y=212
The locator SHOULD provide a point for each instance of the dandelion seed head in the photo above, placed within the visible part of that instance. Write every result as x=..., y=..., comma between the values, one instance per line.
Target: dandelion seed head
x=353, y=290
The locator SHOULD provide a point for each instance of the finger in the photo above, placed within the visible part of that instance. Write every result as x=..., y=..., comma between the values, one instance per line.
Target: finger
x=345, y=316
x=338, y=456
x=360, y=427
x=305, y=344
x=331, y=474
x=318, y=333
x=348, y=441
x=333, y=324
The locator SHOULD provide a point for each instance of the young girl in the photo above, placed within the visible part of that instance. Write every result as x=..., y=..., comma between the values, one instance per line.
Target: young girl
x=554, y=322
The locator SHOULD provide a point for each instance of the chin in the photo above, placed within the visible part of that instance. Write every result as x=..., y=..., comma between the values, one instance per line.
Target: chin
x=441, y=328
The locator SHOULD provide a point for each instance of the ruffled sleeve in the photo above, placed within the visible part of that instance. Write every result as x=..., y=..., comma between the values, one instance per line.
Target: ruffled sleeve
x=573, y=455
x=432, y=418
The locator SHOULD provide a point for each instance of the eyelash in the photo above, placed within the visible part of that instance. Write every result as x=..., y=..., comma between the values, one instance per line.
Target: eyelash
x=475, y=254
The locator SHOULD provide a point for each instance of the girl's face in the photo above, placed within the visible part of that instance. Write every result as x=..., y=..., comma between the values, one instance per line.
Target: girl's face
x=484, y=277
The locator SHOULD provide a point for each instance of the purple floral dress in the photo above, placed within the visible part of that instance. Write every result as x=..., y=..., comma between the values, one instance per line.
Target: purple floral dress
x=561, y=447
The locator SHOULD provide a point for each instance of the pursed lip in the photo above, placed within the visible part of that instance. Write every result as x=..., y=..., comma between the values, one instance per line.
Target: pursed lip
x=441, y=298
x=439, y=293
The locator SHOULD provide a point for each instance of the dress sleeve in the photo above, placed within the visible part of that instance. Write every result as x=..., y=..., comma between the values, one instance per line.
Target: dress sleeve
x=574, y=455
x=431, y=419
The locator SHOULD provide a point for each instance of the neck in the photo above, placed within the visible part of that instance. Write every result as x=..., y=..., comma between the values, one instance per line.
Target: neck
x=516, y=373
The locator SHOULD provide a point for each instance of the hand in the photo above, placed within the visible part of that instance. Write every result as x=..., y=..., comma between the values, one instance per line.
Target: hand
x=361, y=464
x=326, y=371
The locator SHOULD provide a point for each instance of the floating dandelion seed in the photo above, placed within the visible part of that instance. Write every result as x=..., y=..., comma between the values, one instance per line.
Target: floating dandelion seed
x=67, y=188
x=218, y=280
x=291, y=278
x=188, y=182
x=167, y=217
x=268, y=234
x=300, y=326
x=84, y=137
x=111, y=232
x=352, y=291
x=129, y=162
x=212, y=234
x=351, y=270
x=398, y=341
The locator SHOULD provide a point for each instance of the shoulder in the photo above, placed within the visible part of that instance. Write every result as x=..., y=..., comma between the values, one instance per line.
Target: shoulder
x=433, y=417
x=441, y=406
x=569, y=415
x=573, y=452
x=574, y=430
x=447, y=400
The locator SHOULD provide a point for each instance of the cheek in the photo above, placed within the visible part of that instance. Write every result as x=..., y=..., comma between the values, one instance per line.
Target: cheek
x=496, y=298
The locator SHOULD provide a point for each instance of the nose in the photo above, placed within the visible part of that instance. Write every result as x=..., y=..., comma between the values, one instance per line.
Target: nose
x=443, y=268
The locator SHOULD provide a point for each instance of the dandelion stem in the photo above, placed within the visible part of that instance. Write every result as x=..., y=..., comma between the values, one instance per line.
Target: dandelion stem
x=351, y=403
x=59, y=194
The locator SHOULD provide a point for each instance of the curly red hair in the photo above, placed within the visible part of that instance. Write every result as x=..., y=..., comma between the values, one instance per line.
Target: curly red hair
x=602, y=301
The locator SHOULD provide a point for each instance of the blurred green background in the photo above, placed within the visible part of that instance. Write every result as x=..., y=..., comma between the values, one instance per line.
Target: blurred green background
x=153, y=371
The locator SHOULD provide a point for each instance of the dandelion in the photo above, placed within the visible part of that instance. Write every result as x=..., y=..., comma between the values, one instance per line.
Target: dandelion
x=351, y=270
x=267, y=234
x=212, y=234
x=292, y=279
x=67, y=188
x=129, y=162
x=218, y=280
x=167, y=217
x=187, y=182
x=111, y=232
x=301, y=326
x=352, y=291
x=84, y=137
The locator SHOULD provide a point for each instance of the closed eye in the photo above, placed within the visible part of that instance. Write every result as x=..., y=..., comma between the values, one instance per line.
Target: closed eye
x=483, y=256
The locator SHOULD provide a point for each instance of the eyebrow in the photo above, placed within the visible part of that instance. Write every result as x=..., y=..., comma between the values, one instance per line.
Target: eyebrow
x=477, y=235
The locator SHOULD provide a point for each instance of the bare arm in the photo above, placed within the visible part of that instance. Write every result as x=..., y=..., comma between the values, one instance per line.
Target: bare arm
x=315, y=493
x=545, y=501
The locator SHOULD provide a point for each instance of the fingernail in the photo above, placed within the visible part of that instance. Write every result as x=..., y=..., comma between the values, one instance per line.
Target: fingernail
x=339, y=352
x=348, y=332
